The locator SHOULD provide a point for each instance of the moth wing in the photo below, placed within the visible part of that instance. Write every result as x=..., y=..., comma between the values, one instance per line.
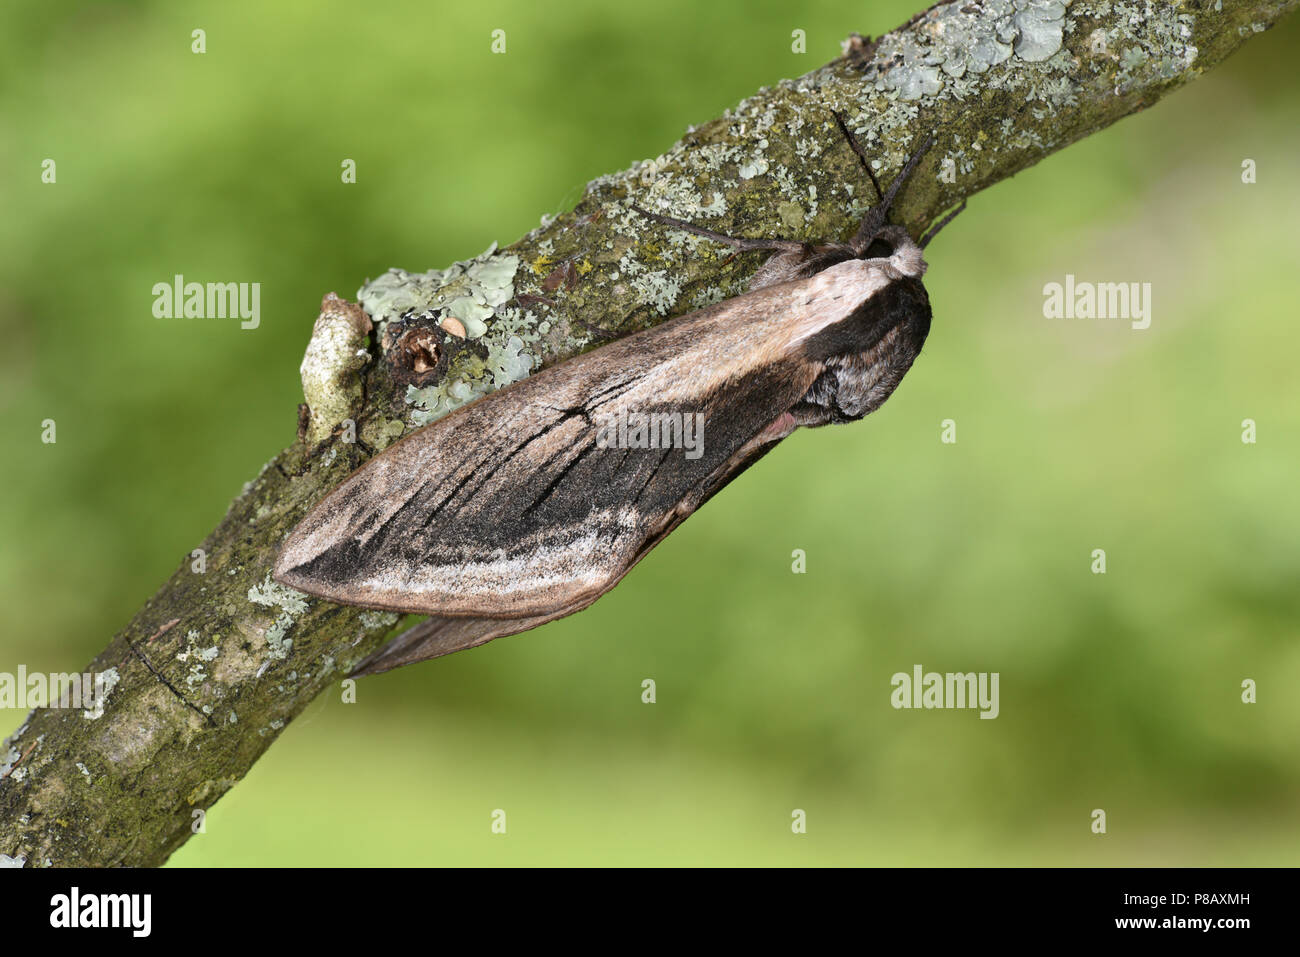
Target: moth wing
x=509, y=508
x=437, y=635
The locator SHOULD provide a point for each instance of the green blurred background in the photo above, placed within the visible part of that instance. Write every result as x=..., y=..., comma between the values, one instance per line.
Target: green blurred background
x=1119, y=691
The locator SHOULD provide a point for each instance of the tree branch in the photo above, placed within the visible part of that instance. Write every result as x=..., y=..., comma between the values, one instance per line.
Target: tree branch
x=1002, y=83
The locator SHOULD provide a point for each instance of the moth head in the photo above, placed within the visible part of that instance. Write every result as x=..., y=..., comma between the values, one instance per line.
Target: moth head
x=896, y=247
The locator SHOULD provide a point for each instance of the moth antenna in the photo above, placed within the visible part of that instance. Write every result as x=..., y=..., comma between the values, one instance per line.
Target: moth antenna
x=878, y=214
x=933, y=231
x=738, y=242
x=862, y=153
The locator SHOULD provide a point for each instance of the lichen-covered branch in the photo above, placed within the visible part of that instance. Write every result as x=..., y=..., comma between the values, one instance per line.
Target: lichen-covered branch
x=214, y=665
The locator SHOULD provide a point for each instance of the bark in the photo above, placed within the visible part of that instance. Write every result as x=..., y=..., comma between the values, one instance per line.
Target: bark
x=215, y=665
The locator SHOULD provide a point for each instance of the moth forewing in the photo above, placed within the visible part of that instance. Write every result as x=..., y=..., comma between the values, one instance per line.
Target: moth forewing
x=438, y=635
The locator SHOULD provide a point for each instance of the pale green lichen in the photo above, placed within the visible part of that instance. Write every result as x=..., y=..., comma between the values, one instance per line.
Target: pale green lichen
x=7, y=861
x=1153, y=40
x=754, y=167
x=953, y=39
x=272, y=594
x=291, y=603
x=192, y=637
x=476, y=293
x=276, y=642
x=375, y=620
x=471, y=376
x=470, y=291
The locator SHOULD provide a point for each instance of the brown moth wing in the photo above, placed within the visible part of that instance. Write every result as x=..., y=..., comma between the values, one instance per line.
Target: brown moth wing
x=506, y=508
x=437, y=636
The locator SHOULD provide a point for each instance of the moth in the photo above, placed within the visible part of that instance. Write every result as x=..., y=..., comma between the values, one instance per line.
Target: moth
x=518, y=508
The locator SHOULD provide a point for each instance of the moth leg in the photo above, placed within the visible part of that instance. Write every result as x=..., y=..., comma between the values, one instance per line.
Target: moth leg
x=933, y=231
x=778, y=268
x=740, y=243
